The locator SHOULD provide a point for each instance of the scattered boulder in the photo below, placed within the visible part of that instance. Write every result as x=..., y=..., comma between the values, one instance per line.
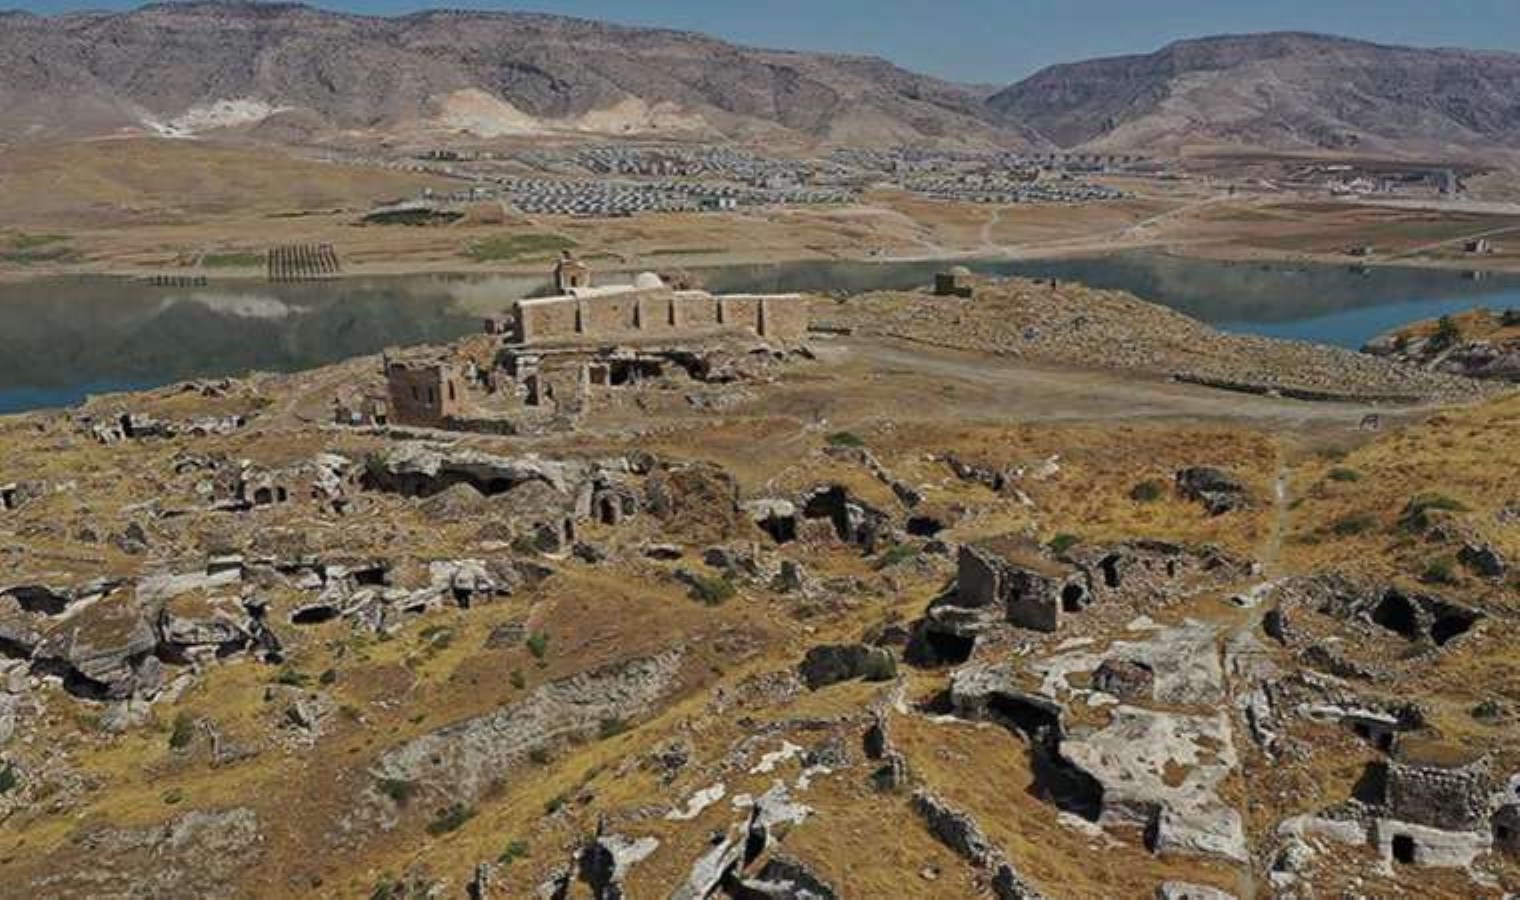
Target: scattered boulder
x=1483, y=560
x=17, y=494
x=1181, y=890
x=829, y=664
x=783, y=878
x=605, y=861
x=103, y=653
x=201, y=630
x=1217, y=490
x=711, y=869
x=1126, y=679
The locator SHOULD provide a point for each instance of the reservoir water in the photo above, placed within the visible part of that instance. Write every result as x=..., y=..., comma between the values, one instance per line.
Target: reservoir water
x=62, y=339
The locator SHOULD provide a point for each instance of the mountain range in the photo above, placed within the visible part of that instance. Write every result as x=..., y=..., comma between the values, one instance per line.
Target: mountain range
x=293, y=73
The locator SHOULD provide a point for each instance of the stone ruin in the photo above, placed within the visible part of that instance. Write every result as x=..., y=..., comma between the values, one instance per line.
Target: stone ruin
x=1011, y=580
x=548, y=359
x=956, y=281
x=1366, y=617
x=1013, y=573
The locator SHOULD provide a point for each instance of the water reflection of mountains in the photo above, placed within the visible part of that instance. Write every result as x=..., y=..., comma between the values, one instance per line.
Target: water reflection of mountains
x=61, y=337
x=73, y=331
x=1207, y=290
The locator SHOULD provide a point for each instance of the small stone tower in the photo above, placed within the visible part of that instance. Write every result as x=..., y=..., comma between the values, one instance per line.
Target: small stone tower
x=570, y=273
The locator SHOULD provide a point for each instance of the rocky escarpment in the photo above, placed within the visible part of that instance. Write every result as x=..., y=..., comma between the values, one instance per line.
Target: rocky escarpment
x=1479, y=344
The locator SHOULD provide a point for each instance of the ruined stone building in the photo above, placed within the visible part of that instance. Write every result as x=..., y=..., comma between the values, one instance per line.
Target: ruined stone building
x=649, y=309
x=957, y=281
x=424, y=392
x=360, y=408
x=570, y=274
x=1010, y=572
x=1437, y=799
x=546, y=359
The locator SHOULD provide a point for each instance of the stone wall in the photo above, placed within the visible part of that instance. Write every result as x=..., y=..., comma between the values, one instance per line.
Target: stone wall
x=1031, y=591
x=786, y=319
x=658, y=312
x=976, y=581
x=423, y=395
x=546, y=320
x=695, y=309
x=1455, y=799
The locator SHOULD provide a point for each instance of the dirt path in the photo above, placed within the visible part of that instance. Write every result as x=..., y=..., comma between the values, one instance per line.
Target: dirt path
x=992, y=222
x=1237, y=683
x=1025, y=391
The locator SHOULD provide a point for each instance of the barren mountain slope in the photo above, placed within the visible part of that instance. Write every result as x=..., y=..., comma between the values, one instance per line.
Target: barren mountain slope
x=294, y=70
x=1276, y=91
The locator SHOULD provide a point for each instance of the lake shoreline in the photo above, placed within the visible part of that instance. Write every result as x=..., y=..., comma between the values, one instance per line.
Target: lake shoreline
x=1199, y=251
x=62, y=335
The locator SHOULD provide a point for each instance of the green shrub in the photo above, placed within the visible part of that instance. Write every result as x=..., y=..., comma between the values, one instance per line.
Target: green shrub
x=1440, y=571
x=611, y=727
x=450, y=818
x=1447, y=333
x=1354, y=524
x=1344, y=475
x=538, y=644
x=555, y=804
x=540, y=756
x=182, y=732
x=880, y=667
x=712, y=590
x=8, y=779
x=291, y=677
x=517, y=679
x=896, y=555
x=845, y=439
x=1148, y=491
x=173, y=796
x=1063, y=542
x=398, y=789
x=1416, y=515
x=514, y=851
x=439, y=637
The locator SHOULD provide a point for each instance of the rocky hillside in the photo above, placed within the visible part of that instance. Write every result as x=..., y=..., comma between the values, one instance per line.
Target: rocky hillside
x=1477, y=344
x=1279, y=91
x=854, y=623
x=291, y=71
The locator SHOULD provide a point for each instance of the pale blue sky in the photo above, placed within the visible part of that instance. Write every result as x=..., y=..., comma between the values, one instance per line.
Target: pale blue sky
x=996, y=41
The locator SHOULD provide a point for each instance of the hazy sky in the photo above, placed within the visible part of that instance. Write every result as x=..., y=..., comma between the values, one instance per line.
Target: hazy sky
x=997, y=41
